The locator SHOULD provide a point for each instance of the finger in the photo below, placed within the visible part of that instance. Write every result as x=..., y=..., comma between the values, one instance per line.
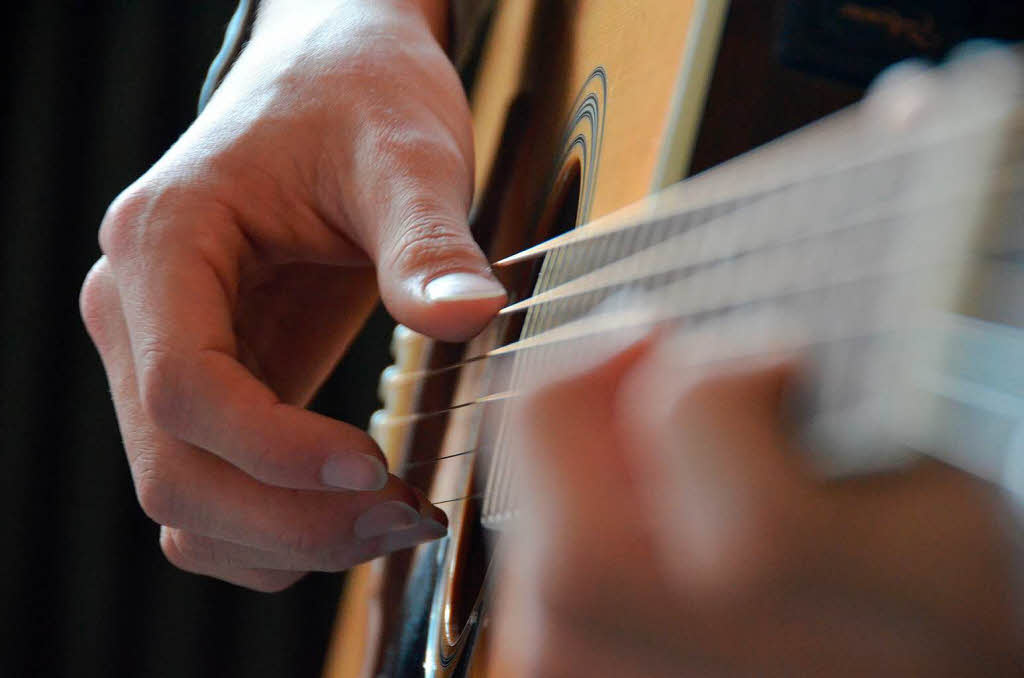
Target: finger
x=182, y=486
x=566, y=431
x=191, y=557
x=220, y=555
x=415, y=185
x=719, y=467
x=177, y=280
x=875, y=543
x=217, y=556
x=393, y=165
x=577, y=492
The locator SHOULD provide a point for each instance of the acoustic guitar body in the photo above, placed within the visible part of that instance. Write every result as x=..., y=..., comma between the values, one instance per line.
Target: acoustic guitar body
x=580, y=108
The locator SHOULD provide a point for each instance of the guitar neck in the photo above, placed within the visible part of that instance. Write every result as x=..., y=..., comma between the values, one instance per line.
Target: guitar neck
x=893, y=262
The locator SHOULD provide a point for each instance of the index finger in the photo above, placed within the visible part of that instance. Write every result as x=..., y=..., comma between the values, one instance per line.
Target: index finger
x=178, y=281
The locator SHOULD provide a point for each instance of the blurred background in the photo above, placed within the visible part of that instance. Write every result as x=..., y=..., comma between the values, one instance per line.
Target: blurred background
x=93, y=92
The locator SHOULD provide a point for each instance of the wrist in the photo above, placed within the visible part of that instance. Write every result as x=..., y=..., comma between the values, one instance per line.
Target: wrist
x=281, y=17
x=273, y=14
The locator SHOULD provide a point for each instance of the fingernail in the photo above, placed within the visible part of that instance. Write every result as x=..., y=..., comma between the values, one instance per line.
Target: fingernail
x=383, y=518
x=463, y=287
x=436, y=515
x=426, y=531
x=432, y=518
x=433, y=528
x=354, y=472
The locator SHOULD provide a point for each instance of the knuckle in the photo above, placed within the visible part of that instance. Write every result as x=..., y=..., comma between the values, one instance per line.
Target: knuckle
x=173, y=552
x=427, y=237
x=192, y=548
x=119, y=228
x=95, y=303
x=158, y=497
x=423, y=149
x=415, y=149
x=159, y=206
x=161, y=389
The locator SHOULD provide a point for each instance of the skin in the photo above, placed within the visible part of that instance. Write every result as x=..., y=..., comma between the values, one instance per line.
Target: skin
x=695, y=540
x=334, y=161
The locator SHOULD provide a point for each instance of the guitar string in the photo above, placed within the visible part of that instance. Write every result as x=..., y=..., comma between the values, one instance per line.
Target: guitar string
x=627, y=280
x=1002, y=177
x=664, y=258
x=624, y=220
x=478, y=495
x=694, y=365
x=615, y=322
x=416, y=377
x=837, y=337
x=525, y=303
x=434, y=460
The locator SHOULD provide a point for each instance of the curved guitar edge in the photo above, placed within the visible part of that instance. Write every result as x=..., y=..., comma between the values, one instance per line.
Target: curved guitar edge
x=356, y=636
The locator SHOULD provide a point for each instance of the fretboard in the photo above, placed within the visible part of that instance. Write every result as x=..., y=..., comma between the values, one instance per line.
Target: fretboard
x=890, y=255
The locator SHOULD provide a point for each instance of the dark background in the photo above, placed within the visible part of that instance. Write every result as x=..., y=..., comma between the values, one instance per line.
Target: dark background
x=93, y=92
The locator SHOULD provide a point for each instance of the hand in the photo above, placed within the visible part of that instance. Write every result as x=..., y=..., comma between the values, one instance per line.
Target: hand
x=672, y=528
x=335, y=157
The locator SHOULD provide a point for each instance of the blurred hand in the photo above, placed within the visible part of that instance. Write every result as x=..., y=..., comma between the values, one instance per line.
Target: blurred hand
x=672, y=529
x=335, y=157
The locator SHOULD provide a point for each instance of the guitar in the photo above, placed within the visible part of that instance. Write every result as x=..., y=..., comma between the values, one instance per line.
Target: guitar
x=597, y=110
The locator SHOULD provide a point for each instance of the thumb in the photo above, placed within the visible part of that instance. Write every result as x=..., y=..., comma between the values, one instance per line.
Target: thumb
x=432, y=275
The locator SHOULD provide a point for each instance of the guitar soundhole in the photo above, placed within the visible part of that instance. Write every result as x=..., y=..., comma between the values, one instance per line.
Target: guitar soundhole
x=474, y=546
x=567, y=206
x=471, y=562
x=561, y=214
